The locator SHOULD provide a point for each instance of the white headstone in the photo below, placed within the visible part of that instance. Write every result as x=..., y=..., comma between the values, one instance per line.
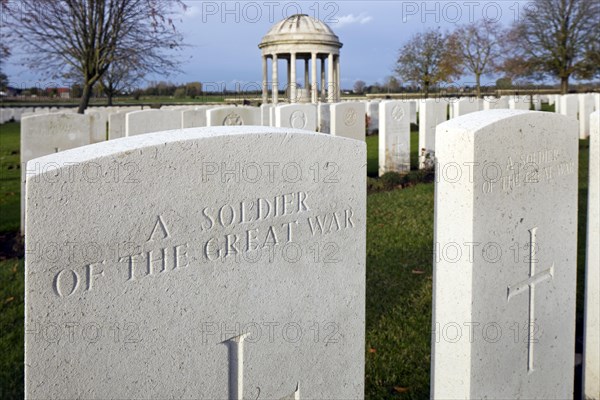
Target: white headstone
x=591, y=346
x=323, y=117
x=495, y=103
x=372, y=109
x=557, y=102
x=194, y=118
x=519, y=102
x=536, y=100
x=413, y=111
x=265, y=114
x=227, y=263
x=116, y=125
x=506, y=256
x=298, y=116
x=148, y=121
x=432, y=112
x=99, y=121
x=464, y=106
x=586, y=107
x=569, y=106
x=394, y=136
x=43, y=134
x=348, y=120
x=232, y=116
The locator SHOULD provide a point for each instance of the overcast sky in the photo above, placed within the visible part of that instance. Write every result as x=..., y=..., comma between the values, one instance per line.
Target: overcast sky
x=223, y=37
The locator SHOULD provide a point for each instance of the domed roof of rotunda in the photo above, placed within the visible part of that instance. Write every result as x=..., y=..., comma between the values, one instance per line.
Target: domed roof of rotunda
x=300, y=29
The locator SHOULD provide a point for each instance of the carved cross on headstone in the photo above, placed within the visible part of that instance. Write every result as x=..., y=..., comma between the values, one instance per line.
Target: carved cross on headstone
x=530, y=284
x=236, y=370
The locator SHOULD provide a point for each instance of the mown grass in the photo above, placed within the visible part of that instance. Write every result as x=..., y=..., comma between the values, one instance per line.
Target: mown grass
x=10, y=177
x=399, y=278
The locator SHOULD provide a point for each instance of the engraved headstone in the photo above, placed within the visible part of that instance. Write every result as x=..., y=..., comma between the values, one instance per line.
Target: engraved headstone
x=505, y=256
x=214, y=263
x=348, y=120
x=148, y=121
x=394, y=136
x=298, y=116
x=591, y=346
x=233, y=116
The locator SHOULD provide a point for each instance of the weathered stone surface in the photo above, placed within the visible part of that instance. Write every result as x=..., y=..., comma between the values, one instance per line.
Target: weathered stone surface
x=506, y=235
x=214, y=254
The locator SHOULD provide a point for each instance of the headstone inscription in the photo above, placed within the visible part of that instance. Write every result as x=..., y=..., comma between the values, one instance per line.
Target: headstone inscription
x=243, y=277
x=506, y=234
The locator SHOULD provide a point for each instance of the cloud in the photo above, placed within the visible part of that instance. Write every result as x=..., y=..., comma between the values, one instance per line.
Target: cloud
x=352, y=19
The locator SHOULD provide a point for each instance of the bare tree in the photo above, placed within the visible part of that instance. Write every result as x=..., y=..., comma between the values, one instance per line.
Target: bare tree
x=391, y=84
x=476, y=48
x=551, y=39
x=120, y=77
x=4, y=50
x=424, y=60
x=89, y=36
x=359, y=86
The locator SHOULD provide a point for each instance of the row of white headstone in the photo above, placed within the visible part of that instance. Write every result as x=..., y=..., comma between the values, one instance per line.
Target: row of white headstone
x=229, y=262
x=47, y=131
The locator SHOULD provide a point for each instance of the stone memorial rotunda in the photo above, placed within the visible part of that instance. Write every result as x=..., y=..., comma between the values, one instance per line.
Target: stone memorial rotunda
x=301, y=37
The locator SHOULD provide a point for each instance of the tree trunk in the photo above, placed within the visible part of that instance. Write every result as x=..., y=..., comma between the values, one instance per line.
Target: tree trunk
x=478, y=85
x=85, y=98
x=564, y=85
x=109, y=96
x=426, y=89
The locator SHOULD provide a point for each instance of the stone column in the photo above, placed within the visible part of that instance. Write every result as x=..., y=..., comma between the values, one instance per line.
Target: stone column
x=313, y=90
x=275, y=80
x=338, y=79
x=306, y=81
x=265, y=83
x=289, y=78
x=293, y=78
x=330, y=80
x=323, y=92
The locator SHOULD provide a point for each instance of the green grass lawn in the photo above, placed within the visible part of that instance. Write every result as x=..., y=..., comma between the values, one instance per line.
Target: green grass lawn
x=399, y=278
